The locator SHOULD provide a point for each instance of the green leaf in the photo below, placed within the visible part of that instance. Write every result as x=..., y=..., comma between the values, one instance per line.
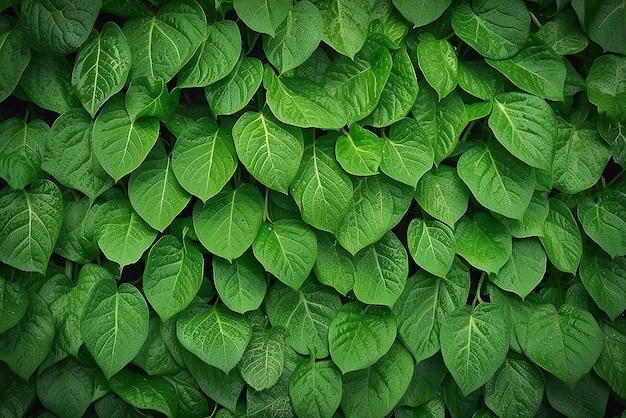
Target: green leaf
x=483, y=241
x=22, y=144
x=438, y=62
x=603, y=277
x=493, y=29
x=315, y=389
x=442, y=194
x=241, y=283
x=563, y=34
x=77, y=241
x=162, y=44
x=122, y=235
x=154, y=192
x=120, y=143
x=215, y=334
x=334, y=265
x=233, y=92
x=479, y=79
x=204, y=158
x=606, y=87
x=66, y=388
x=25, y=346
x=369, y=215
x=60, y=27
x=566, y=342
x=172, y=276
x=321, y=188
x=301, y=102
x=423, y=12
x=101, y=68
x=381, y=271
x=17, y=395
x=145, y=392
x=270, y=150
x=155, y=357
x=360, y=335
x=376, y=390
x=605, y=24
x=305, y=313
x=70, y=156
x=611, y=365
x=524, y=269
x=423, y=305
x=286, y=248
x=31, y=221
x=432, y=246
x=477, y=340
x=605, y=221
x=114, y=324
x=13, y=304
x=498, y=181
x=14, y=57
x=262, y=363
x=536, y=69
x=214, y=58
x=407, y=153
x=531, y=223
x=262, y=15
x=516, y=389
x=296, y=37
x=561, y=237
x=428, y=375
x=346, y=24
x=359, y=152
x=588, y=398
x=526, y=126
x=147, y=96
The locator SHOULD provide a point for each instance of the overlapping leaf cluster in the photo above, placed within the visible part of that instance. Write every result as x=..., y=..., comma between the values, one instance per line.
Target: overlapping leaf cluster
x=312, y=208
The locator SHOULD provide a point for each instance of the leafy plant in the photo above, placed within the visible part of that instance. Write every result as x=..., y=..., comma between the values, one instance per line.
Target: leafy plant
x=317, y=208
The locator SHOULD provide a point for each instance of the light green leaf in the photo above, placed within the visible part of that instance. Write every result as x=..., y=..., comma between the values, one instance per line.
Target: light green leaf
x=101, y=68
x=374, y=391
x=70, y=156
x=233, y=92
x=25, y=346
x=407, y=153
x=214, y=58
x=563, y=34
x=561, y=237
x=114, y=324
x=241, y=283
x=359, y=152
x=147, y=96
x=66, y=388
x=536, y=69
x=122, y=235
x=566, y=342
x=476, y=343
x=442, y=194
x=494, y=29
x=360, y=335
x=119, y=143
x=30, y=223
x=155, y=393
x=262, y=15
x=526, y=126
x=305, y=313
x=334, y=265
x=381, y=271
x=531, y=223
x=423, y=12
x=479, y=79
x=270, y=150
x=13, y=304
x=215, y=334
x=438, y=62
x=321, y=189
x=286, y=248
x=606, y=87
x=14, y=57
x=204, y=158
x=369, y=215
x=172, y=276
x=425, y=302
x=296, y=37
x=605, y=280
x=524, y=269
x=60, y=27
x=315, y=389
x=25, y=142
x=483, y=241
x=611, y=364
x=516, y=389
x=498, y=181
x=162, y=44
x=346, y=24
x=432, y=246
x=154, y=192
x=604, y=221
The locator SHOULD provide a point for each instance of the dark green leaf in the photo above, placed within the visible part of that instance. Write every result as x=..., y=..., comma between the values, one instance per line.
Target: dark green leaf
x=66, y=388
x=233, y=92
x=334, y=265
x=14, y=57
x=262, y=15
x=315, y=389
x=604, y=221
x=13, y=304
x=561, y=237
x=563, y=34
x=605, y=280
x=423, y=12
x=605, y=24
x=589, y=397
x=524, y=269
x=611, y=364
x=147, y=96
x=146, y=392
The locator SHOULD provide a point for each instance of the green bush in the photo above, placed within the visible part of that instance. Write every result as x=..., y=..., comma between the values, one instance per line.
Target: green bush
x=353, y=208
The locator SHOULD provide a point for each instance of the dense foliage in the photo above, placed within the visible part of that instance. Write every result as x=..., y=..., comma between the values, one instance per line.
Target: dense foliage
x=315, y=208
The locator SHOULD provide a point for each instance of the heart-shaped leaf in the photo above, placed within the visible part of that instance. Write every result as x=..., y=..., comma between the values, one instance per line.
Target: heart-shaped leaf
x=432, y=246
x=345, y=24
x=240, y=283
x=442, y=194
x=233, y=92
x=524, y=269
x=359, y=152
x=315, y=389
